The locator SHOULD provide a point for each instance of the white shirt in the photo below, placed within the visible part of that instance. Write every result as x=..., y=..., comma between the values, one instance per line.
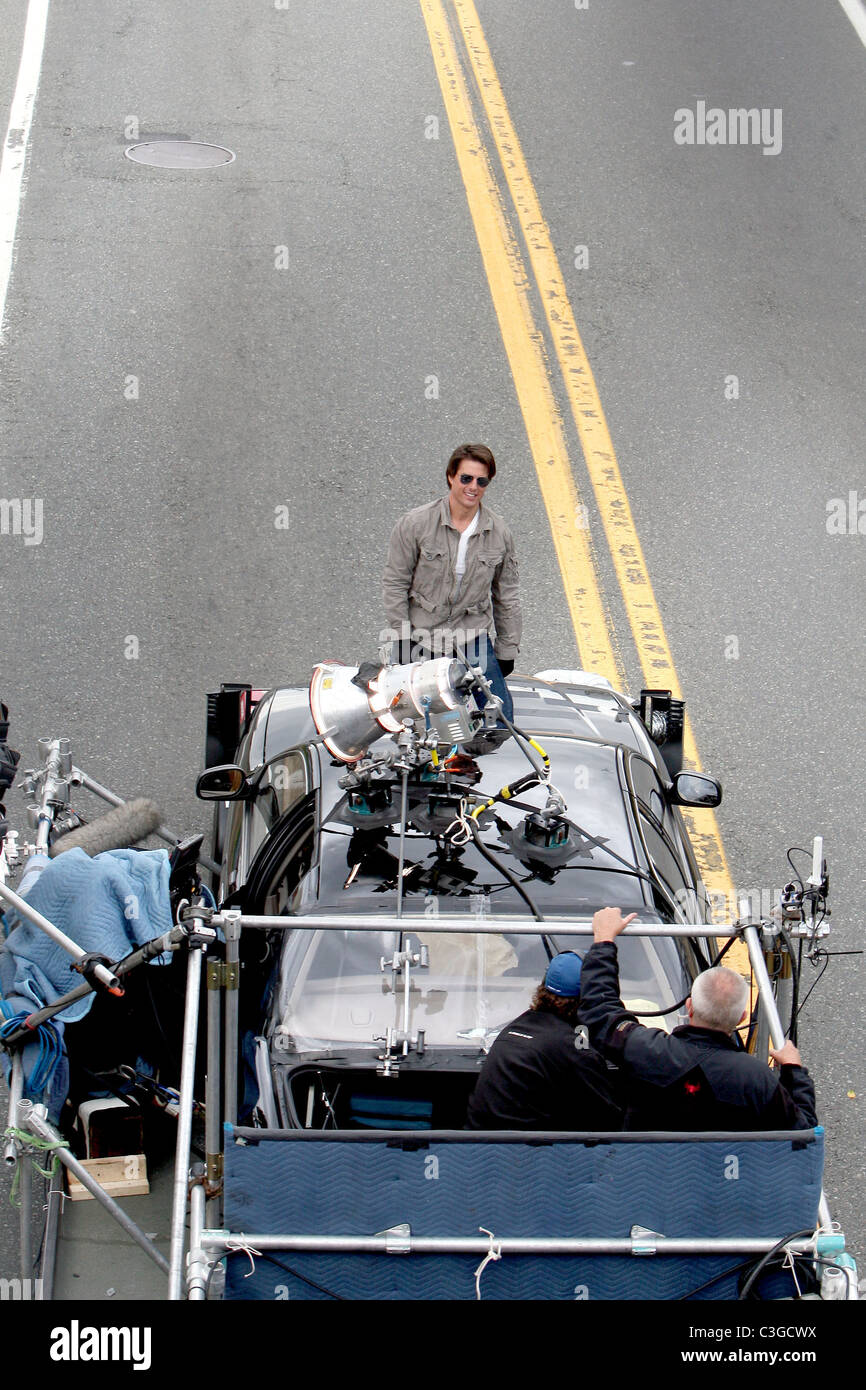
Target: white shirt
x=460, y=562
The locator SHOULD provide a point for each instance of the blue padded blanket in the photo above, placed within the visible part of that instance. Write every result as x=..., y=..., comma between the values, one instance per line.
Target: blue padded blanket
x=688, y=1186
x=110, y=904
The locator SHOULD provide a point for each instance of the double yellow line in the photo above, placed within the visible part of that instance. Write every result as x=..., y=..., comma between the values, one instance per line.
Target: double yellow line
x=510, y=285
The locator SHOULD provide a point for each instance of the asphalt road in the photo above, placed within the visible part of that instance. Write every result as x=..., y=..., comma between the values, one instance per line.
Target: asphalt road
x=310, y=387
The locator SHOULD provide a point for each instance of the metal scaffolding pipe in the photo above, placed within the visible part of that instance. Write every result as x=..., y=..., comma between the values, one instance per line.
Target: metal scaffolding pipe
x=213, y=1097
x=777, y=1032
x=57, y=936
x=25, y=1214
x=149, y=951
x=55, y=792
x=752, y=938
x=398, y=1244
x=231, y=925
x=33, y=1118
x=184, y=1120
x=16, y=1091
x=501, y=926
x=114, y=800
x=52, y=1230
x=197, y=1265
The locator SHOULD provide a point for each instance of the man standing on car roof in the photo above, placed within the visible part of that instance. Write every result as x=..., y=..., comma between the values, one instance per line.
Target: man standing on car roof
x=697, y=1077
x=451, y=576
x=541, y=1072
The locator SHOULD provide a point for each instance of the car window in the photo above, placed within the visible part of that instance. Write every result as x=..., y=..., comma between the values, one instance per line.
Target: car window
x=294, y=864
x=663, y=859
x=283, y=783
x=646, y=788
x=657, y=828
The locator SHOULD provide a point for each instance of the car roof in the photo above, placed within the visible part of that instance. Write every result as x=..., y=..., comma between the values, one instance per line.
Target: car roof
x=589, y=710
x=584, y=726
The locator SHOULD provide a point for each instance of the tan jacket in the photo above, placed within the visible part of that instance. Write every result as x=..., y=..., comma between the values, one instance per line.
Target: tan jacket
x=420, y=581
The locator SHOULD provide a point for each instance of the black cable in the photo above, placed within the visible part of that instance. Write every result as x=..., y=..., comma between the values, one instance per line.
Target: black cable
x=823, y=956
x=593, y=842
x=506, y=873
x=632, y=870
x=46, y=1201
x=659, y=1013
x=795, y=982
x=599, y=844
x=797, y=849
x=296, y=1274
x=815, y=895
x=735, y=1269
x=765, y=1259
x=750, y=1033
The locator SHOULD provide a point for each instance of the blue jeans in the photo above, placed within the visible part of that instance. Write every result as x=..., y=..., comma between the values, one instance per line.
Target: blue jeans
x=480, y=652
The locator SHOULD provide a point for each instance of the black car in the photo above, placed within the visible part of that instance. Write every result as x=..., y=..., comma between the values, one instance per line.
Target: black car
x=301, y=839
x=394, y=865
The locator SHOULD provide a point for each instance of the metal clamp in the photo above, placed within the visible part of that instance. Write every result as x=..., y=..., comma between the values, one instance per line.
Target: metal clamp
x=402, y=1039
x=644, y=1241
x=86, y=966
x=398, y=1239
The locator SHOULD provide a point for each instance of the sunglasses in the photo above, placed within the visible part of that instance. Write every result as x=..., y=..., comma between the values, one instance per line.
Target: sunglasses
x=467, y=478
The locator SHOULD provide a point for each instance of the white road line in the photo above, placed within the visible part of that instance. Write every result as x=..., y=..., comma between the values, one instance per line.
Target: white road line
x=12, y=185
x=856, y=12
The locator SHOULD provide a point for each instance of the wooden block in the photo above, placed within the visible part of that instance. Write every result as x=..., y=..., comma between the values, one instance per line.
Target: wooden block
x=122, y=1176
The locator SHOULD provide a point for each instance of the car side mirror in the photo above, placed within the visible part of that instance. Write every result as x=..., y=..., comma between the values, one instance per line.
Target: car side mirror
x=695, y=789
x=228, y=782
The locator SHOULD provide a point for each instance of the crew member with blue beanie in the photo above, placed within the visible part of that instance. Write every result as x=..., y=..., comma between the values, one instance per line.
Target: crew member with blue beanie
x=541, y=1072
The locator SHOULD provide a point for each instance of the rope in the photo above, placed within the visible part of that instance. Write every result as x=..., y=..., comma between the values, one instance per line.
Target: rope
x=494, y=1252
x=31, y=1141
x=788, y=1263
x=237, y=1243
x=463, y=834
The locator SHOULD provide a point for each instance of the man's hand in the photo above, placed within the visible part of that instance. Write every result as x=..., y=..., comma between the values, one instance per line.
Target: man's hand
x=609, y=922
x=789, y=1055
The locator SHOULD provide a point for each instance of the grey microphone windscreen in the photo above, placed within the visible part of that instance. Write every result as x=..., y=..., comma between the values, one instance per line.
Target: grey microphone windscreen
x=124, y=826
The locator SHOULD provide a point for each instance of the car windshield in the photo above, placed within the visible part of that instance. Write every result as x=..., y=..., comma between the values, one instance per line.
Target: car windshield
x=334, y=990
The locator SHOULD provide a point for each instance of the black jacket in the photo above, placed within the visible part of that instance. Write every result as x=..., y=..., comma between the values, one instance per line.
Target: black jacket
x=693, y=1078
x=536, y=1076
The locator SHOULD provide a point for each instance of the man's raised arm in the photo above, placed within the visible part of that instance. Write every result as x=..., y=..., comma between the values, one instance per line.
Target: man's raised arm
x=601, y=1007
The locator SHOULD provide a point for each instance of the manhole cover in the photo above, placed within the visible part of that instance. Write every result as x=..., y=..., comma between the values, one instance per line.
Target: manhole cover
x=179, y=154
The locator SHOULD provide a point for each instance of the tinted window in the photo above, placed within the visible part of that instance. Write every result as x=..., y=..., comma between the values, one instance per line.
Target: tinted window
x=656, y=826
x=283, y=783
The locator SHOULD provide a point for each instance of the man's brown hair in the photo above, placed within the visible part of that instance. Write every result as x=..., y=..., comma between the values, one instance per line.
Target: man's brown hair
x=543, y=1001
x=479, y=453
